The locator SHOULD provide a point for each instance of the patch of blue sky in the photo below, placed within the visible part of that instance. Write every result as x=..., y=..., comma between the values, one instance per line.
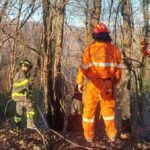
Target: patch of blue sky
x=74, y=14
x=37, y=16
x=14, y=6
x=137, y=12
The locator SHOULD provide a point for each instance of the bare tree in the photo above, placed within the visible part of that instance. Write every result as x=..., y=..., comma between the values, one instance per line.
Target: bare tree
x=144, y=72
x=53, y=20
x=127, y=41
x=92, y=13
x=3, y=10
x=146, y=35
x=47, y=73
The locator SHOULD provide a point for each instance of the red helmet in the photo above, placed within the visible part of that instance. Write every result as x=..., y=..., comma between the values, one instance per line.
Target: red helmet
x=101, y=27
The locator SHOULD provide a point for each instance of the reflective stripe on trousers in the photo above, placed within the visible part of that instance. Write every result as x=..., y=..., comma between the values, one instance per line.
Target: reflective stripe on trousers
x=30, y=114
x=17, y=119
x=108, y=118
x=88, y=120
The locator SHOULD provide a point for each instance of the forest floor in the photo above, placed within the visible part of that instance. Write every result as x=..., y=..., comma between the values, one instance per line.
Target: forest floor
x=14, y=139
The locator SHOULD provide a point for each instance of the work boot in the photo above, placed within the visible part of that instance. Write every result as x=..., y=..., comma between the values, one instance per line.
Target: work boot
x=112, y=139
x=89, y=140
x=16, y=122
x=30, y=124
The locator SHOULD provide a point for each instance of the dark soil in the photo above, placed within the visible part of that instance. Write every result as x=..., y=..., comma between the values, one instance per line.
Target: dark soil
x=13, y=139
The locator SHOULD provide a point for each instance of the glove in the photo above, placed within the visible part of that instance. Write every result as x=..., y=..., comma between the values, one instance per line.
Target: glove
x=80, y=88
x=29, y=94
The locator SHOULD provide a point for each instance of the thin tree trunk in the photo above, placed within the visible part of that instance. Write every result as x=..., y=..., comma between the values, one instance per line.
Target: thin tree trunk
x=53, y=38
x=127, y=41
x=59, y=41
x=57, y=64
x=92, y=18
x=47, y=70
x=3, y=10
x=145, y=72
x=13, y=49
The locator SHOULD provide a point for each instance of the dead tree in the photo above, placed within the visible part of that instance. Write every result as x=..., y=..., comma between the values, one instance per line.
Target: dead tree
x=58, y=80
x=146, y=35
x=92, y=13
x=126, y=50
x=47, y=73
x=53, y=21
x=3, y=10
x=144, y=72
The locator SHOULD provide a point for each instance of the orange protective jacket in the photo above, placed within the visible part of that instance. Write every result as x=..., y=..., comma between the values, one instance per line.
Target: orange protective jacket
x=100, y=60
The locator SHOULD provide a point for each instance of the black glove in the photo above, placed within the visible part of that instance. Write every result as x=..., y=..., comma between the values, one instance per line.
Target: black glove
x=29, y=94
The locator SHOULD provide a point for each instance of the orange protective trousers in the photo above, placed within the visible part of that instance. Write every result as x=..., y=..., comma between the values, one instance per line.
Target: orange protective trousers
x=94, y=91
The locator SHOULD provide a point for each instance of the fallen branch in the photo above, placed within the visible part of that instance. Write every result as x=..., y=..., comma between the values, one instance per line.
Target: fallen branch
x=61, y=148
x=43, y=138
x=69, y=141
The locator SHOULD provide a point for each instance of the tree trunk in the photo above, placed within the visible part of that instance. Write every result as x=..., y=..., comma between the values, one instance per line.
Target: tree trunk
x=59, y=39
x=92, y=18
x=53, y=19
x=47, y=70
x=145, y=72
x=126, y=71
x=59, y=25
x=3, y=10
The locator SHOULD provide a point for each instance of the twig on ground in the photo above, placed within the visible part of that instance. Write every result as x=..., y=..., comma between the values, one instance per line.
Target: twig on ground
x=61, y=148
x=69, y=141
x=43, y=138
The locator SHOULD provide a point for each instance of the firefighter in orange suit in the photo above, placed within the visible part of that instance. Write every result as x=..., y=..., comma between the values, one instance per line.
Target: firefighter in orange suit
x=98, y=72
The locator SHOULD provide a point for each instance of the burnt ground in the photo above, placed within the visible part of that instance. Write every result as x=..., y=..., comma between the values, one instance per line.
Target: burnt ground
x=14, y=139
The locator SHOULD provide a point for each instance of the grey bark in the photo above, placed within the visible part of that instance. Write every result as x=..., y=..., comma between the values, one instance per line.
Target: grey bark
x=92, y=13
x=126, y=73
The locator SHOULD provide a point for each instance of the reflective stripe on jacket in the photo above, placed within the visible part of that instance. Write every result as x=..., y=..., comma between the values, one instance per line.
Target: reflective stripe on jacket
x=20, y=85
x=18, y=94
x=100, y=60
